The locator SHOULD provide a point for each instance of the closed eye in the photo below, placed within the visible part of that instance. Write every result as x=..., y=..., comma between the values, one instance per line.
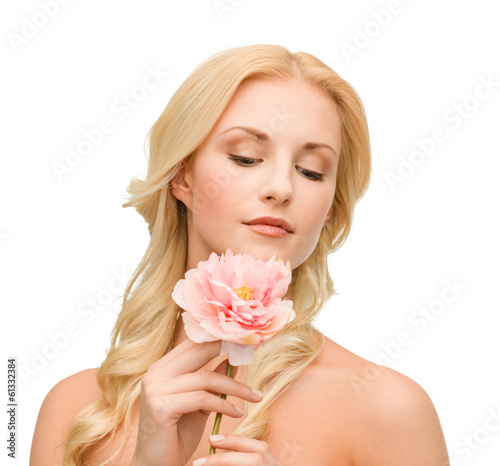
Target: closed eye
x=310, y=175
x=243, y=161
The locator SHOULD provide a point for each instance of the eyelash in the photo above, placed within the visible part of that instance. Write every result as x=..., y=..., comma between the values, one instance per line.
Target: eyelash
x=308, y=174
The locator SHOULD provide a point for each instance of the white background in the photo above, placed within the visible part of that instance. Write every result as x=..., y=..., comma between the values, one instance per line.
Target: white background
x=63, y=240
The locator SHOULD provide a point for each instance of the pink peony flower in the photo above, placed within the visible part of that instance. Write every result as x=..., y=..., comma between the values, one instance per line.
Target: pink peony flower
x=236, y=299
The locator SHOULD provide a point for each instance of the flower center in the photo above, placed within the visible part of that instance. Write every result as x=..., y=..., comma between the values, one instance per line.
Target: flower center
x=244, y=292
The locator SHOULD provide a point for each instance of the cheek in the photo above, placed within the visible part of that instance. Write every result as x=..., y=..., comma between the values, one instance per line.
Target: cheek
x=315, y=209
x=217, y=192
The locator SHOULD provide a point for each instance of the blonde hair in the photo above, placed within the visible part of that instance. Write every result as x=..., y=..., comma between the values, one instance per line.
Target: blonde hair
x=146, y=326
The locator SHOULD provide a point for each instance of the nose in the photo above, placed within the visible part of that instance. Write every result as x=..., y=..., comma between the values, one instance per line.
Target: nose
x=277, y=186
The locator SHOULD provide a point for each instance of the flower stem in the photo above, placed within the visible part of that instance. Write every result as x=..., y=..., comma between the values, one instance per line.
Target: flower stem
x=218, y=418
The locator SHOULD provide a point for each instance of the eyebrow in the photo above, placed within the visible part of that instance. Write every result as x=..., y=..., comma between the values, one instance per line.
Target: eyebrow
x=261, y=136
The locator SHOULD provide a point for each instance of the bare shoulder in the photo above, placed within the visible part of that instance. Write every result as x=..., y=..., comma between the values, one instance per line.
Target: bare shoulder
x=61, y=404
x=355, y=412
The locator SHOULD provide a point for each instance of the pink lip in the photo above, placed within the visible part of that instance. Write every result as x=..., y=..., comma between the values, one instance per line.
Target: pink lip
x=270, y=226
x=269, y=230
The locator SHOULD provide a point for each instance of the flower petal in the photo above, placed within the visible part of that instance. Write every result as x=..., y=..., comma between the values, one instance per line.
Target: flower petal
x=178, y=294
x=194, y=331
x=239, y=355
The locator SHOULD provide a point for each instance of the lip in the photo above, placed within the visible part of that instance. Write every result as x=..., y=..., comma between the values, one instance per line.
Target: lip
x=272, y=226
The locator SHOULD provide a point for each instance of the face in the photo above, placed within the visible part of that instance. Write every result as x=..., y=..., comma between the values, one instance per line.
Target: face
x=263, y=180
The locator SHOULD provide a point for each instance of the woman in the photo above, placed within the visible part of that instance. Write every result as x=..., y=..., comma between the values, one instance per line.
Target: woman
x=263, y=152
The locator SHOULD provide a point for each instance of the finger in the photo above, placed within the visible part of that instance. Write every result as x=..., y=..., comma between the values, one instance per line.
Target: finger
x=239, y=443
x=222, y=369
x=182, y=403
x=212, y=382
x=187, y=357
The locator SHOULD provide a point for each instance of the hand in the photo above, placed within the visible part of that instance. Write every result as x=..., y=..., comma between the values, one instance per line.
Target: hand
x=176, y=400
x=246, y=452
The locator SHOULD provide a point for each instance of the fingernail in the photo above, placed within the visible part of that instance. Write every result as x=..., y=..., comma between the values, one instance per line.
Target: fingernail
x=242, y=411
x=200, y=461
x=258, y=393
x=217, y=438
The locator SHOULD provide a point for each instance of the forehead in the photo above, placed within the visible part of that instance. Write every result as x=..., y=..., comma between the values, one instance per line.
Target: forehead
x=258, y=95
